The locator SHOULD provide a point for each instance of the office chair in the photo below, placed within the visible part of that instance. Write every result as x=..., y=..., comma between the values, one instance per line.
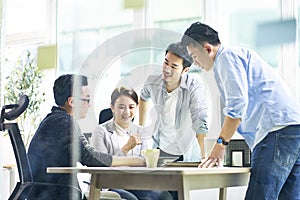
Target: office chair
x=105, y=115
x=25, y=188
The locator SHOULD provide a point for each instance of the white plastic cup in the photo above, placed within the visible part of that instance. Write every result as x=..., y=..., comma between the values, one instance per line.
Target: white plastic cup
x=151, y=156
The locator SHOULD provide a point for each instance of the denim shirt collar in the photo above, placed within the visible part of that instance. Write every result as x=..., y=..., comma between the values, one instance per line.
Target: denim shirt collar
x=220, y=50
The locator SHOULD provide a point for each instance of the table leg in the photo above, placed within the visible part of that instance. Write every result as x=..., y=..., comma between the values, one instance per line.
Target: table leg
x=222, y=193
x=180, y=195
x=183, y=193
x=94, y=193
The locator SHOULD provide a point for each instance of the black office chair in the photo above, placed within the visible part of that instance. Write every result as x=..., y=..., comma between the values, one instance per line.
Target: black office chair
x=26, y=187
x=105, y=115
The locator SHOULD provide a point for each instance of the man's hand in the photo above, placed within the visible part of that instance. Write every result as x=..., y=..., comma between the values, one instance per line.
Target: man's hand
x=215, y=158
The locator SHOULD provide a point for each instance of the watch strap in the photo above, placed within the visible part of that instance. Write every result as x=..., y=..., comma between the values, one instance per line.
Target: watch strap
x=221, y=140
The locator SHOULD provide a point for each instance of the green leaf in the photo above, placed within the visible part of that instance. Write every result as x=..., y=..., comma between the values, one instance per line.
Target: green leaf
x=26, y=78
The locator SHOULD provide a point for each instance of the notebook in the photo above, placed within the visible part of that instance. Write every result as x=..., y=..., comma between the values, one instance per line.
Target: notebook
x=172, y=162
x=182, y=164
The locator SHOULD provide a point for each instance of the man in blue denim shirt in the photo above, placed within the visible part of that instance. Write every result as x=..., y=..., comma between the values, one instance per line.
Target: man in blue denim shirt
x=259, y=107
x=180, y=104
x=58, y=141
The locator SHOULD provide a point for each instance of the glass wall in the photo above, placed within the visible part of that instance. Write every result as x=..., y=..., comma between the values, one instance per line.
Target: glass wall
x=107, y=41
x=96, y=35
x=266, y=26
x=243, y=20
x=27, y=27
x=85, y=24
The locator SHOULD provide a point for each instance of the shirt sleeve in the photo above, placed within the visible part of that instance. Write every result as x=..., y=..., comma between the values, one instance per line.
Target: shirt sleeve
x=92, y=157
x=89, y=155
x=233, y=83
x=146, y=90
x=198, y=107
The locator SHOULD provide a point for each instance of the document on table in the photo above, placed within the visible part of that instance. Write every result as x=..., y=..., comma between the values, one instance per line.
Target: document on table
x=182, y=164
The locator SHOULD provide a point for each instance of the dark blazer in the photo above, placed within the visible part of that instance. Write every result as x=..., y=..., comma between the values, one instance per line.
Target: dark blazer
x=52, y=146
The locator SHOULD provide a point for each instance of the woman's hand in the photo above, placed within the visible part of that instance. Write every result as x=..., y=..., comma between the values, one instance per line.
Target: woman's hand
x=131, y=143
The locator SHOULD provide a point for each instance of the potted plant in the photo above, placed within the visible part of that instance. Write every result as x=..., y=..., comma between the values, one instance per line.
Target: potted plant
x=26, y=78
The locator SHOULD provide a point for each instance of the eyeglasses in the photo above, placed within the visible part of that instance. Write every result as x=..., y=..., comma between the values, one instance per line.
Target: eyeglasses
x=86, y=100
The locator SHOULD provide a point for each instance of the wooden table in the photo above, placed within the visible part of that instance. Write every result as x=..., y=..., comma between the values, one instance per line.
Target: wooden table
x=181, y=179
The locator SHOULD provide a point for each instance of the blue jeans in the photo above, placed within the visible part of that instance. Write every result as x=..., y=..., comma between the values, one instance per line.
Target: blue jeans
x=125, y=194
x=143, y=194
x=275, y=166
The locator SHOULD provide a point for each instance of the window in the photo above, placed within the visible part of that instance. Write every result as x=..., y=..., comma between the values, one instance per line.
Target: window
x=243, y=23
x=27, y=27
x=85, y=26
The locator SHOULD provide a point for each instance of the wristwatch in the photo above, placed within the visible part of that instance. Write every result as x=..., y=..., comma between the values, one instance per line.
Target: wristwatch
x=220, y=140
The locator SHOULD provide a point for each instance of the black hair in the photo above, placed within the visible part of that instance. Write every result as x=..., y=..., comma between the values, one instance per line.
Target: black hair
x=124, y=91
x=180, y=51
x=64, y=85
x=199, y=33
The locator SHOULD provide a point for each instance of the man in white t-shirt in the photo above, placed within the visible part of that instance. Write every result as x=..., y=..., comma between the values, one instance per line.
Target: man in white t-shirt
x=180, y=107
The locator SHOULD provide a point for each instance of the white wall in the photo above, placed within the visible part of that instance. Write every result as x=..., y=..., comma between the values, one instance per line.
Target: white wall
x=233, y=193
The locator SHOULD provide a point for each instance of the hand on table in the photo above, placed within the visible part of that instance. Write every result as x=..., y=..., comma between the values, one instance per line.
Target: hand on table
x=138, y=161
x=132, y=161
x=215, y=158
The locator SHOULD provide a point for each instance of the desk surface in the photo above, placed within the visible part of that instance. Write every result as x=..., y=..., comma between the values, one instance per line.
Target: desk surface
x=158, y=170
x=181, y=179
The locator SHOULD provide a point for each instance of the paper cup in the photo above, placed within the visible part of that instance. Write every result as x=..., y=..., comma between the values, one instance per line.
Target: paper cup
x=151, y=156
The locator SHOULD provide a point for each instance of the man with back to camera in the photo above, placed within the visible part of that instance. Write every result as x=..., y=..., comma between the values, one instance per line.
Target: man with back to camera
x=259, y=107
x=180, y=103
x=58, y=141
